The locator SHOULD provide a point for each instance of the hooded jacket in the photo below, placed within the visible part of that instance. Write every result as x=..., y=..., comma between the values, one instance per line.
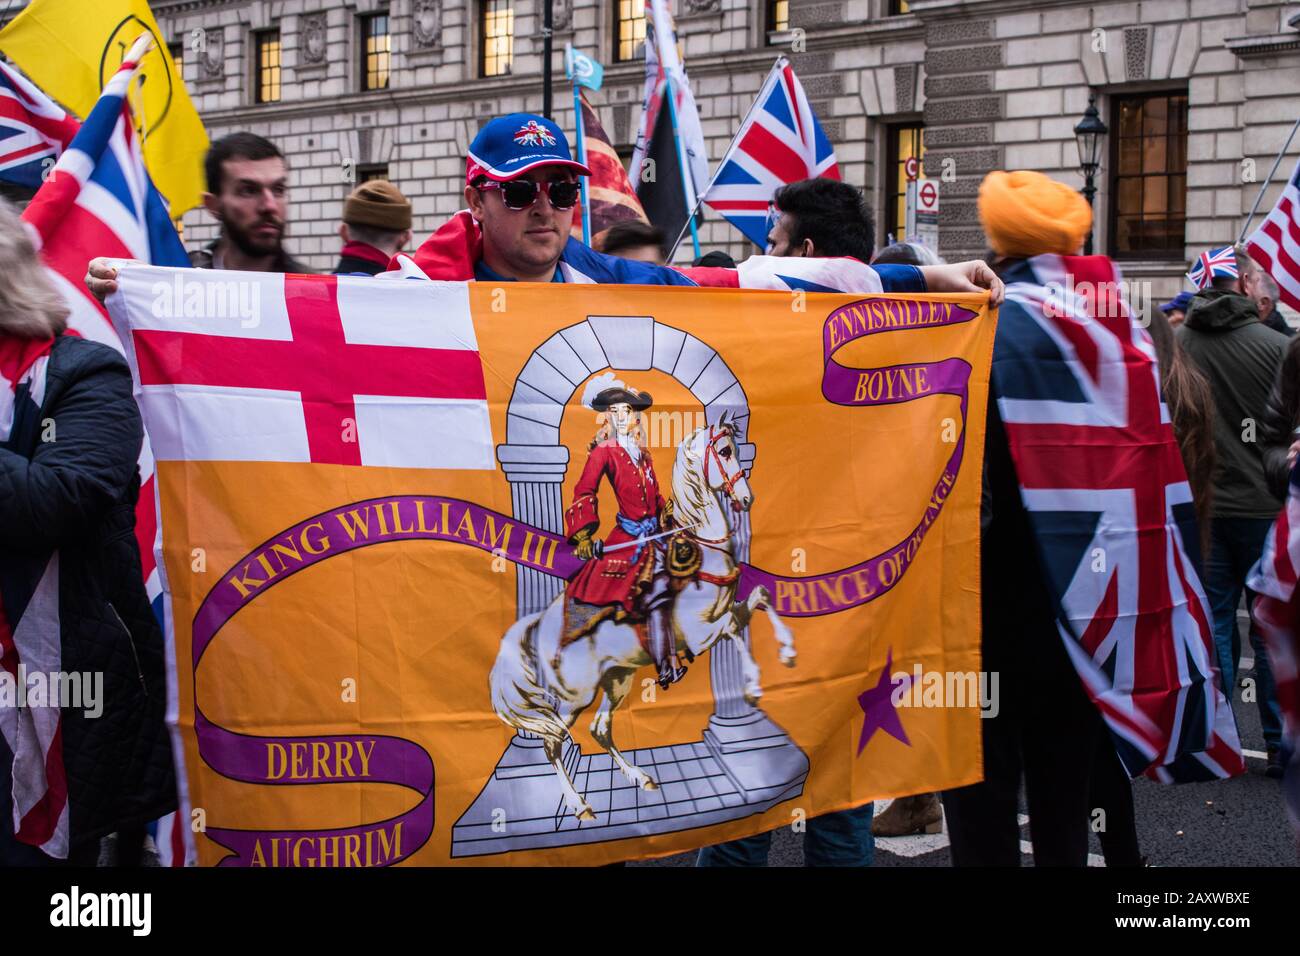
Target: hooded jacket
x=1240, y=357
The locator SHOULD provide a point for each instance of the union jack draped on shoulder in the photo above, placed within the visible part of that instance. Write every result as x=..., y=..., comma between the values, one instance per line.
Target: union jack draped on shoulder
x=1101, y=477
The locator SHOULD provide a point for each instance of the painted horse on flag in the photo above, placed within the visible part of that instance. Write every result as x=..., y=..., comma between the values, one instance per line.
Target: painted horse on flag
x=542, y=684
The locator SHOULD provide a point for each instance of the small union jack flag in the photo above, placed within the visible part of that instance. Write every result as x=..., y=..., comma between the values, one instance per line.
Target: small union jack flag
x=779, y=142
x=1214, y=264
x=33, y=131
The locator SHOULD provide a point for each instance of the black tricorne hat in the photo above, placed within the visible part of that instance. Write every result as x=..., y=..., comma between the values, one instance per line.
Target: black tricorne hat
x=639, y=401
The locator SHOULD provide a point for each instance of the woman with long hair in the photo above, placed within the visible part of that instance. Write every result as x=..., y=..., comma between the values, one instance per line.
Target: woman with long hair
x=1191, y=409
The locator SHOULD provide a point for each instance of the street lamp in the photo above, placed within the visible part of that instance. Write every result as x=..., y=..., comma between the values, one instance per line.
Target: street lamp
x=1089, y=134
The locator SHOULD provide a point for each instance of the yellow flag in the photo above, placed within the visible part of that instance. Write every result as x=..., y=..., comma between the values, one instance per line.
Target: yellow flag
x=70, y=49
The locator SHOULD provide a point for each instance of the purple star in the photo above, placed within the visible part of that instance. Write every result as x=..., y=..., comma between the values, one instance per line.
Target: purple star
x=878, y=706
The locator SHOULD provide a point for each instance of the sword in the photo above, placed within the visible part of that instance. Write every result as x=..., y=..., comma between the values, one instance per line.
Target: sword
x=601, y=549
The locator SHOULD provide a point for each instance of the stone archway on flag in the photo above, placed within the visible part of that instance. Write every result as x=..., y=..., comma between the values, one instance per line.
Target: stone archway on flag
x=744, y=763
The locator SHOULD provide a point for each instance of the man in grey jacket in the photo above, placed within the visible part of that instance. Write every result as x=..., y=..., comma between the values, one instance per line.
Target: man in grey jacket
x=1240, y=357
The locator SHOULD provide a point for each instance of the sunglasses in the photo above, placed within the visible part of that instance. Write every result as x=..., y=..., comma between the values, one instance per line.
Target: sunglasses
x=521, y=193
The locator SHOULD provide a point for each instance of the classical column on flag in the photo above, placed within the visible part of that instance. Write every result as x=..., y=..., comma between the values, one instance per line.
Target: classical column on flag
x=536, y=476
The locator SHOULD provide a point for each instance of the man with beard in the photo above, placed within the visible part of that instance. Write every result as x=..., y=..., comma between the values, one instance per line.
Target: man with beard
x=248, y=193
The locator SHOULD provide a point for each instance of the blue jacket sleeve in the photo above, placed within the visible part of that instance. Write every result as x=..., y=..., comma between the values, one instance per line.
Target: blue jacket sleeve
x=900, y=278
x=617, y=271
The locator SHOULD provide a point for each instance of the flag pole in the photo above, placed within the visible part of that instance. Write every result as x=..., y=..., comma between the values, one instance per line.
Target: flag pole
x=699, y=200
x=547, y=32
x=582, y=158
x=1277, y=162
x=681, y=161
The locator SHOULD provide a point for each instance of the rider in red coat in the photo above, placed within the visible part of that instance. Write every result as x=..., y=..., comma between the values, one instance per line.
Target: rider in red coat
x=613, y=576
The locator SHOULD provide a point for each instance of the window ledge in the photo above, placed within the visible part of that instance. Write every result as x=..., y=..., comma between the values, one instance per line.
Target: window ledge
x=1149, y=266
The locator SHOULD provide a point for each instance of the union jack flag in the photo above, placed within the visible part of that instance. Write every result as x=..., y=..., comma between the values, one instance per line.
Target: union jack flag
x=1108, y=500
x=1277, y=612
x=531, y=134
x=98, y=200
x=779, y=142
x=33, y=130
x=1276, y=243
x=1214, y=264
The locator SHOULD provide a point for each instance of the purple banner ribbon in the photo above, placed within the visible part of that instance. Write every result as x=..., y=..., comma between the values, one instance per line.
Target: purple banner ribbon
x=346, y=758
x=818, y=594
x=374, y=758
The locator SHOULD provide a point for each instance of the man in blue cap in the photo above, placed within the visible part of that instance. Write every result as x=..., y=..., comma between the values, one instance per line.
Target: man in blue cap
x=521, y=187
x=1176, y=308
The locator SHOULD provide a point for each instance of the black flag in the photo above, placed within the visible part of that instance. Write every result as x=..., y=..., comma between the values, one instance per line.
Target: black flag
x=658, y=183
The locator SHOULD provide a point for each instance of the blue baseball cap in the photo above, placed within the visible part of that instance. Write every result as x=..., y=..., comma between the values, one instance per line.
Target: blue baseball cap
x=1180, y=302
x=509, y=146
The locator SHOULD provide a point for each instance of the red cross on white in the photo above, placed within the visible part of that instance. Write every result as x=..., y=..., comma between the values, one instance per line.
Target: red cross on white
x=331, y=370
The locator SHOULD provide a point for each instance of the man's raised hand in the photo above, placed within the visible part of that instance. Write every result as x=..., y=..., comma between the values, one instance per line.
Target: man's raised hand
x=101, y=275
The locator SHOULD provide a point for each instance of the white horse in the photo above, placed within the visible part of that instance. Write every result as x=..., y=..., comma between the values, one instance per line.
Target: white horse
x=530, y=693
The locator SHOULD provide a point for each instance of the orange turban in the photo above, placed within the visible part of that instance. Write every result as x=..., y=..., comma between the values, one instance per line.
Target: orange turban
x=1026, y=214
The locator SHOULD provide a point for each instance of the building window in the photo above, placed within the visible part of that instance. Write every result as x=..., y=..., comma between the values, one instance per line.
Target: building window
x=778, y=16
x=1148, y=175
x=629, y=38
x=369, y=171
x=177, y=51
x=266, y=81
x=901, y=144
x=376, y=51
x=897, y=8
x=498, y=37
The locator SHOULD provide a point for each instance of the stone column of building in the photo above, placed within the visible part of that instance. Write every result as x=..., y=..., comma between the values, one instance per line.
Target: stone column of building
x=961, y=106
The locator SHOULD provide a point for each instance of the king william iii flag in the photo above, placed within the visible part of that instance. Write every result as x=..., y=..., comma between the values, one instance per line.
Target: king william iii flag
x=371, y=492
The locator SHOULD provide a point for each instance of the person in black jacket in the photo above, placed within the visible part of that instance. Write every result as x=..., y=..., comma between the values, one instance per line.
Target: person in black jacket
x=1240, y=357
x=72, y=597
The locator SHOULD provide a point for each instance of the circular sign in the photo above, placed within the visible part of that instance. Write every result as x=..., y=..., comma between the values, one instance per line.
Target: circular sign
x=912, y=166
x=928, y=195
x=150, y=100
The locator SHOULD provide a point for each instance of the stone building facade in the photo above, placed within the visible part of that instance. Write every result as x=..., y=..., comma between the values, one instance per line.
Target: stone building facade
x=991, y=83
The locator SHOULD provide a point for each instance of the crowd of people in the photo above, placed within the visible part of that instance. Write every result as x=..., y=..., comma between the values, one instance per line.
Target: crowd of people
x=1224, y=359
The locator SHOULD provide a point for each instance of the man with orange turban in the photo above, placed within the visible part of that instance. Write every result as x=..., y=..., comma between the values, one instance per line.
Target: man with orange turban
x=1057, y=628
x=1027, y=214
